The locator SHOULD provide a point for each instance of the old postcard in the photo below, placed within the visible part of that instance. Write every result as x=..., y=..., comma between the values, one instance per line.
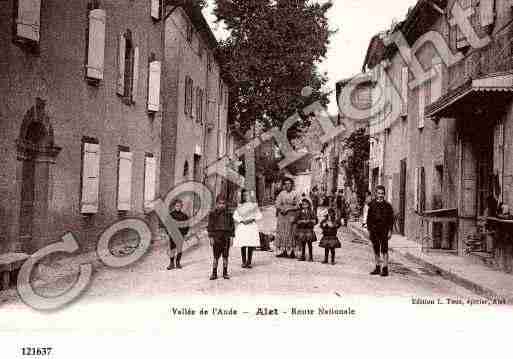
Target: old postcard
x=234, y=177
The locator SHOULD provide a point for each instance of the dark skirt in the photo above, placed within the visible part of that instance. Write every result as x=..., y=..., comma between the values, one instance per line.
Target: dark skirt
x=329, y=242
x=305, y=235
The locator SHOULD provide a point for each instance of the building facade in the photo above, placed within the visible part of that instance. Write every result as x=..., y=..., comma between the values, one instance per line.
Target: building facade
x=195, y=130
x=107, y=105
x=445, y=162
x=80, y=120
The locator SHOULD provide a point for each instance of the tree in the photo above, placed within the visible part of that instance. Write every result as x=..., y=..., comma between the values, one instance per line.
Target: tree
x=272, y=54
x=357, y=145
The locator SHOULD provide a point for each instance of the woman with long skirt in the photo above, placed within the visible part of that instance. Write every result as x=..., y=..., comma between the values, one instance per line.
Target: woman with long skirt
x=286, y=207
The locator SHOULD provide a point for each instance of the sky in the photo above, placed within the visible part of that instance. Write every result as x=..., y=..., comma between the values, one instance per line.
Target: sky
x=357, y=22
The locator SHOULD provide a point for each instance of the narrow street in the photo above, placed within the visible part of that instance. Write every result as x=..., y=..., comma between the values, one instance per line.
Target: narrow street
x=270, y=276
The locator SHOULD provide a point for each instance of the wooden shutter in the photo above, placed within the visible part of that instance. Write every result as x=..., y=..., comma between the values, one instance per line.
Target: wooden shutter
x=135, y=77
x=469, y=180
x=416, y=190
x=150, y=168
x=390, y=190
x=124, y=181
x=90, y=178
x=28, y=21
x=155, y=9
x=487, y=12
x=186, y=94
x=461, y=40
x=191, y=97
x=437, y=81
x=96, y=45
x=404, y=89
x=154, y=86
x=121, y=65
x=422, y=189
x=421, y=102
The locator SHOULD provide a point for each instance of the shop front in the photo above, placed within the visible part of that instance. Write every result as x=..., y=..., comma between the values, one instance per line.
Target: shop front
x=482, y=110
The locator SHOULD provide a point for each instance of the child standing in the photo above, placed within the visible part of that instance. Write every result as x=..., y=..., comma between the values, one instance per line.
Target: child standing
x=305, y=221
x=178, y=215
x=220, y=231
x=330, y=242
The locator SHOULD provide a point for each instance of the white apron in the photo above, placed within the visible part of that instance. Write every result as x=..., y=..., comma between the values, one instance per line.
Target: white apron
x=247, y=235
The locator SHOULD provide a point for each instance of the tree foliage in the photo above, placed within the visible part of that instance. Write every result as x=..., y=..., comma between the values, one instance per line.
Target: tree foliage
x=357, y=146
x=272, y=54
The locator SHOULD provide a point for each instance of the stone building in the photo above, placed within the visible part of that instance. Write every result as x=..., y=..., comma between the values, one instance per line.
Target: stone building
x=195, y=132
x=80, y=118
x=87, y=137
x=449, y=151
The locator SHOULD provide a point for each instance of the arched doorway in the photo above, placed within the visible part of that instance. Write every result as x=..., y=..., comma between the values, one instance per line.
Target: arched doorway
x=36, y=153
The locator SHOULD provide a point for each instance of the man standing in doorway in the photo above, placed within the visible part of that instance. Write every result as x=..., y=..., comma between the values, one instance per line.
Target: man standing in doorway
x=380, y=222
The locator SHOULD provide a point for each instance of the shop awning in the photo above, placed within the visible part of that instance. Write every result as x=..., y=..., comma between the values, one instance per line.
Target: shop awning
x=476, y=96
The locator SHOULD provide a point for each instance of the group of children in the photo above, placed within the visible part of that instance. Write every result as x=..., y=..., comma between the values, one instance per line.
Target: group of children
x=221, y=230
x=305, y=221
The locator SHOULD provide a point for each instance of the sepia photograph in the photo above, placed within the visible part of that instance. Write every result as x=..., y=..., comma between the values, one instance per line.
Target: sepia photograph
x=241, y=177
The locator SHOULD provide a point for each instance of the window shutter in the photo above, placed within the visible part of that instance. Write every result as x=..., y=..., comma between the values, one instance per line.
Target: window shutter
x=121, y=65
x=96, y=48
x=422, y=99
x=486, y=12
x=155, y=9
x=154, y=86
x=186, y=94
x=422, y=194
x=90, y=178
x=390, y=190
x=149, y=181
x=404, y=89
x=437, y=81
x=191, y=97
x=124, y=181
x=28, y=21
x=135, y=78
x=416, y=190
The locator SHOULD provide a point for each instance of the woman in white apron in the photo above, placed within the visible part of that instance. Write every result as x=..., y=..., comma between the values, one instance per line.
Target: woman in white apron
x=247, y=236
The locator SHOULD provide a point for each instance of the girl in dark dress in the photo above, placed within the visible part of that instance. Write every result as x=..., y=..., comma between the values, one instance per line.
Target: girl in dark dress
x=305, y=221
x=330, y=242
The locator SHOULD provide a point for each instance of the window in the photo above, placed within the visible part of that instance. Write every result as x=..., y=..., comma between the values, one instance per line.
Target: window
x=209, y=62
x=150, y=168
x=486, y=12
x=437, y=81
x=404, y=89
x=226, y=99
x=124, y=179
x=420, y=190
x=200, y=50
x=422, y=98
x=28, y=17
x=128, y=68
x=155, y=9
x=390, y=190
x=186, y=170
x=189, y=93
x=154, y=86
x=96, y=45
x=90, y=176
x=190, y=30
x=199, y=105
x=461, y=41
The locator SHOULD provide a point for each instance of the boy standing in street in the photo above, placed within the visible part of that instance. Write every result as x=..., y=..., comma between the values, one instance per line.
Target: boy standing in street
x=380, y=222
x=221, y=231
x=178, y=215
